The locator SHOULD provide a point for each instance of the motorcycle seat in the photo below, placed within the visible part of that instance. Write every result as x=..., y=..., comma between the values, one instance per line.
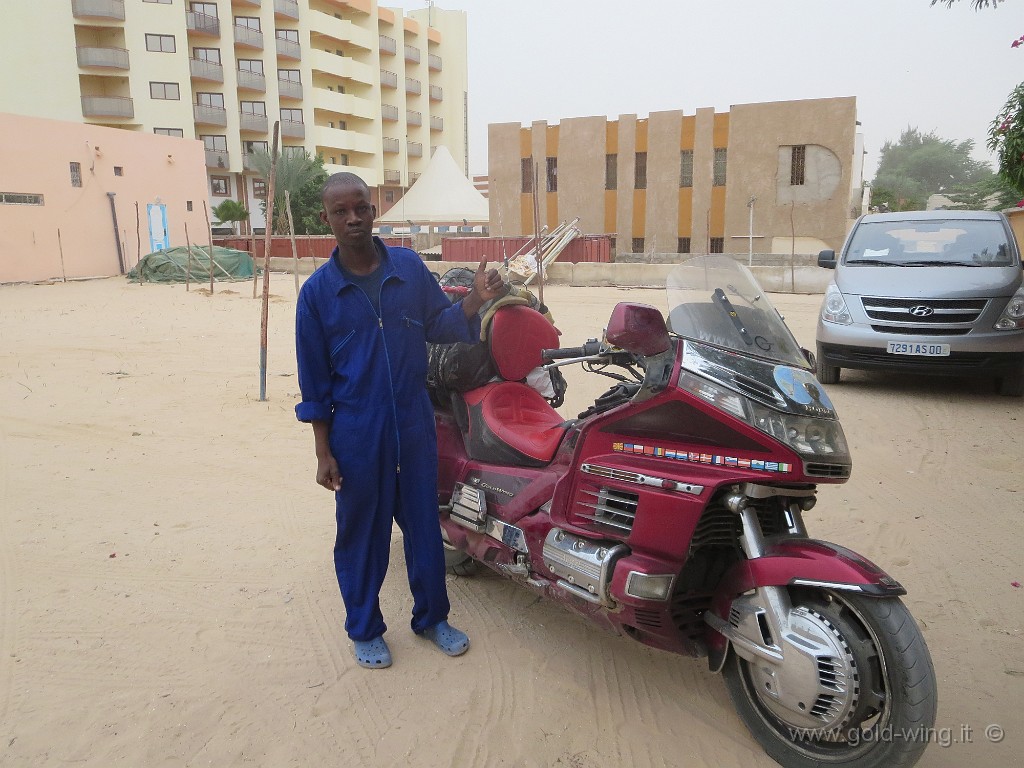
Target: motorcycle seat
x=510, y=423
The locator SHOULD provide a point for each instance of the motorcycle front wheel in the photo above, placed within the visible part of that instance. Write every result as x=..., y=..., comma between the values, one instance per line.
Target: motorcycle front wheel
x=893, y=716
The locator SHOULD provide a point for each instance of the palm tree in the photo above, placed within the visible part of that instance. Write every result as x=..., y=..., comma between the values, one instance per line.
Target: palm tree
x=230, y=211
x=294, y=171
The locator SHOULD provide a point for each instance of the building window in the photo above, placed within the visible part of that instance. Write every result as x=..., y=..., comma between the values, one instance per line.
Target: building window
x=178, y=132
x=76, y=174
x=188, y=205
x=259, y=189
x=686, y=171
x=167, y=91
x=118, y=170
x=611, y=171
x=719, y=174
x=552, y=174
x=344, y=159
x=640, y=172
x=526, y=171
x=291, y=75
x=796, y=166
x=220, y=186
x=251, y=65
x=207, y=9
x=160, y=43
x=683, y=246
x=249, y=22
x=294, y=151
x=291, y=115
x=211, y=55
x=215, y=143
x=20, y=198
x=717, y=245
x=638, y=245
x=210, y=99
x=248, y=147
x=389, y=196
x=254, y=108
x=291, y=35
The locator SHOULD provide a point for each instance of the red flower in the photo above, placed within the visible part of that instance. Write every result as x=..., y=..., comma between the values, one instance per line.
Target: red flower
x=1020, y=204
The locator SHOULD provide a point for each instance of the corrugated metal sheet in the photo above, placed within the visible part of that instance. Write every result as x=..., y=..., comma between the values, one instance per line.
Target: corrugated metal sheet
x=586, y=248
x=307, y=246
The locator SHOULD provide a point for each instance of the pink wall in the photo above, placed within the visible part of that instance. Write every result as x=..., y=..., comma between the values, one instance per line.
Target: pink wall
x=35, y=158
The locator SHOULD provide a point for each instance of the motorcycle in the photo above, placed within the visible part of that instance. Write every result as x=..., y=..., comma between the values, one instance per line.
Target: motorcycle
x=671, y=511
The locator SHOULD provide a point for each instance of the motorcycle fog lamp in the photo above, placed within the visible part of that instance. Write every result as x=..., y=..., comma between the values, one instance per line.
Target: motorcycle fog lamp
x=1012, y=318
x=648, y=586
x=834, y=309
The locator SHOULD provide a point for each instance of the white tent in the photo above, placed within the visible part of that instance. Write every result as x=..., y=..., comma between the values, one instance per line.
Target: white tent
x=442, y=195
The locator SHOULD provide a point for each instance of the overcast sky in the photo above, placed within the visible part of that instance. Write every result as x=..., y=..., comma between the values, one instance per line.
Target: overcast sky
x=906, y=62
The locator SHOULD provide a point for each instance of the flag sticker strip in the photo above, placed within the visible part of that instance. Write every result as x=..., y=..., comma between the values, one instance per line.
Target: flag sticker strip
x=702, y=458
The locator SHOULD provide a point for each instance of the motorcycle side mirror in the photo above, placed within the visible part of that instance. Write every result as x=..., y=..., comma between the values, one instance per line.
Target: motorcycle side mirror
x=638, y=328
x=827, y=259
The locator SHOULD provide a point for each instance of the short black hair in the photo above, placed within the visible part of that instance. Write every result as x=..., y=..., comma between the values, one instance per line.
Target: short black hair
x=344, y=179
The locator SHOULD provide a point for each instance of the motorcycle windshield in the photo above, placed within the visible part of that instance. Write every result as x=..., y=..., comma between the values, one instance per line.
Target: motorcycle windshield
x=716, y=300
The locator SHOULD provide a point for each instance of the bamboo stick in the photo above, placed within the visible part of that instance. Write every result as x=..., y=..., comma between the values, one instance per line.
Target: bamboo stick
x=291, y=235
x=209, y=232
x=60, y=247
x=188, y=272
x=266, y=266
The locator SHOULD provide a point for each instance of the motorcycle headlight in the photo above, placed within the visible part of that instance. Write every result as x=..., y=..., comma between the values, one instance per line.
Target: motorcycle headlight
x=833, y=309
x=1012, y=318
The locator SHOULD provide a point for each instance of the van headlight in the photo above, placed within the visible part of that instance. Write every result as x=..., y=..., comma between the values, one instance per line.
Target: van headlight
x=833, y=309
x=1012, y=318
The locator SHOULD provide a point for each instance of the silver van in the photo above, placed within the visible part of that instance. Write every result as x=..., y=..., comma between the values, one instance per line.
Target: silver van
x=933, y=292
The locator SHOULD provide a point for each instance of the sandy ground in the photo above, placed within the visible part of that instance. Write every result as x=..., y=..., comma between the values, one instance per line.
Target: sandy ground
x=167, y=596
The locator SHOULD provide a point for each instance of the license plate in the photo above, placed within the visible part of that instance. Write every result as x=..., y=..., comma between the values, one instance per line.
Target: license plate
x=915, y=348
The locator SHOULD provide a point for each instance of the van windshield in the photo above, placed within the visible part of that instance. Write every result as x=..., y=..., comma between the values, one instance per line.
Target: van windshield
x=935, y=242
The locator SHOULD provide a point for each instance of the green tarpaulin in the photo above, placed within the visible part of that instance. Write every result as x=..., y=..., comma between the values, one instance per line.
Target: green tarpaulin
x=172, y=265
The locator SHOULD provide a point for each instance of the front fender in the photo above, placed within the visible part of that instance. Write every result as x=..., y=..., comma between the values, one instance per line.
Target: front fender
x=796, y=562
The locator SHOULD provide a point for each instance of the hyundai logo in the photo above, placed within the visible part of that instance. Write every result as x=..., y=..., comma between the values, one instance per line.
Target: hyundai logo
x=921, y=310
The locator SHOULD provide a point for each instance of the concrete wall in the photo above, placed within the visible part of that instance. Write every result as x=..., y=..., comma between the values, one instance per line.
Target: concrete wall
x=153, y=169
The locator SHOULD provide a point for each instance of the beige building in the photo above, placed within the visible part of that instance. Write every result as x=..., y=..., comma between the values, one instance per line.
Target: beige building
x=87, y=201
x=777, y=177
x=366, y=87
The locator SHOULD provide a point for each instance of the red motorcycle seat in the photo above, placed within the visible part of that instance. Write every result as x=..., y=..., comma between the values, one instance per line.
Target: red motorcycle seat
x=519, y=417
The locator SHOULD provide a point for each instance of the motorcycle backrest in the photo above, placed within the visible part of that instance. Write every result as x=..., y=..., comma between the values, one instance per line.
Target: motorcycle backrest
x=518, y=334
x=638, y=328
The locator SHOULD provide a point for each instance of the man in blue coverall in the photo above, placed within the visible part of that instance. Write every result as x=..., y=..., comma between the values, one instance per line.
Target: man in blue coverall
x=361, y=327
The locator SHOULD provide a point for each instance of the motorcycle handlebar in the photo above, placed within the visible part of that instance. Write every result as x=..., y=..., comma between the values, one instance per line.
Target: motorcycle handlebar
x=592, y=347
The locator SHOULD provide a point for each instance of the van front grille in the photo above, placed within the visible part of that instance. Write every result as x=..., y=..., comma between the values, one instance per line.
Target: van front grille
x=936, y=317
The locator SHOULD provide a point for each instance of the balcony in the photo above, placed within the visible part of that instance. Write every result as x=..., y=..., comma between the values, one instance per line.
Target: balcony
x=414, y=149
x=412, y=54
x=248, y=121
x=254, y=3
x=293, y=130
x=388, y=79
x=251, y=81
x=202, y=24
x=392, y=146
x=206, y=70
x=413, y=118
x=289, y=89
x=107, y=58
x=434, y=62
x=107, y=106
x=288, y=49
x=413, y=86
x=436, y=93
x=98, y=9
x=288, y=9
x=207, y=114
x=329, y=33
x=344, y=104
x=248, y=164
x=389, y=112
x=248, y=37
x=392, y=177
x=216, y=158
x=388, y=46
x=436, y=123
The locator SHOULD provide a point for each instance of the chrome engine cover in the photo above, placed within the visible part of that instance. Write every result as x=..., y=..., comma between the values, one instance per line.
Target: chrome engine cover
x=582, y=566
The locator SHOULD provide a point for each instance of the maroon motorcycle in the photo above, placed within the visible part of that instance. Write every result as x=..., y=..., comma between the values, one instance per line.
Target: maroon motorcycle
x=671, y=511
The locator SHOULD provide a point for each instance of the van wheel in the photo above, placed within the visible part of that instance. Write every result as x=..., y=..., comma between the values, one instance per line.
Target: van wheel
x=1011, y=385
x=827, y=374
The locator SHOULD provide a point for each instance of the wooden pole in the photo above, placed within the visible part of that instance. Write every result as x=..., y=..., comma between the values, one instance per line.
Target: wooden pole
x=188, y=272
x=138, y=237
x=291, y=234
x=536, y=229
x=60, y=247
x=209, y=232
x=266, y=266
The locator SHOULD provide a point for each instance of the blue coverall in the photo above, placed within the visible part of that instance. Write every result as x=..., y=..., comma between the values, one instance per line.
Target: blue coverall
x=366, y=375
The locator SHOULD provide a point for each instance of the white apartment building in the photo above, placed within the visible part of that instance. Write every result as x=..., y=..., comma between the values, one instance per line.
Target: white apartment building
x=369, y=88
